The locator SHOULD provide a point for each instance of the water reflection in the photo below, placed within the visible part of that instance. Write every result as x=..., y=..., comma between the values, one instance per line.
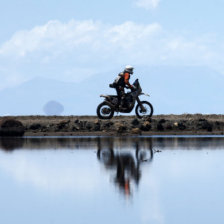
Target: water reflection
x=162, y=143
x=52, y=163
x=9, y=144
x=70, y=179
x=126, y=164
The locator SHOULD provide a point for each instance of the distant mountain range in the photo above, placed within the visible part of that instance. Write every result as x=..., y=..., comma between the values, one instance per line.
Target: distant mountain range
x=172, y=89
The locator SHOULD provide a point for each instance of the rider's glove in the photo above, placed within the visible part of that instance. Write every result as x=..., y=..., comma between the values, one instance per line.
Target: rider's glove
x=133, y=88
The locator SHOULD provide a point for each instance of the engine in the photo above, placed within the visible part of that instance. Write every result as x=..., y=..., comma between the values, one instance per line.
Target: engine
x=114, y=100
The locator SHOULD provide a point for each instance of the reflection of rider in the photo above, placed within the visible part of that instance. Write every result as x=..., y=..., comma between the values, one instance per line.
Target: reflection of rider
x=122, y=83
x=127, y=167
x=125, y=163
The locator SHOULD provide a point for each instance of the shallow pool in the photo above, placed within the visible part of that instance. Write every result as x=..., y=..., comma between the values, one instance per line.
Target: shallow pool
x=112, y=180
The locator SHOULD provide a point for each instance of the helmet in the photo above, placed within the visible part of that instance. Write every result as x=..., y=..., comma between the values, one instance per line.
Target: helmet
x=129, y=69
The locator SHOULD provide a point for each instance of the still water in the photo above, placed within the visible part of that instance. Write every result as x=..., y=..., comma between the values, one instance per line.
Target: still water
x=112, y=180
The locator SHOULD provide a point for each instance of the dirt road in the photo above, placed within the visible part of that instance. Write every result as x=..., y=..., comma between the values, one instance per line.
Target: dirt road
x=192, y=124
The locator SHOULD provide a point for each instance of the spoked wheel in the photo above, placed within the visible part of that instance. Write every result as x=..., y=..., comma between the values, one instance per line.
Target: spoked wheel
x=104, y=111
x=106, y=156
x=144, y=112
x=144, y=155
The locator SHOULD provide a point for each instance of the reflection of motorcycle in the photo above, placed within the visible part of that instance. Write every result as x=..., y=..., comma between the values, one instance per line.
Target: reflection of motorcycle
x=126, y=164
x=106, y=109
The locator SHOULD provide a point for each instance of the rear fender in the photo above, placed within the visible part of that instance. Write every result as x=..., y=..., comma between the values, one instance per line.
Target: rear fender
x=107, y=100
x=105, y=96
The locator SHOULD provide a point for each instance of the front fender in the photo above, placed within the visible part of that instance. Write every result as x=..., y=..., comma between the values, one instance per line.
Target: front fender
x=144, y=94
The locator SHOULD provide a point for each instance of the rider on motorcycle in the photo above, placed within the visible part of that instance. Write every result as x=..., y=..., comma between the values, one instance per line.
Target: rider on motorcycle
x=123, y=82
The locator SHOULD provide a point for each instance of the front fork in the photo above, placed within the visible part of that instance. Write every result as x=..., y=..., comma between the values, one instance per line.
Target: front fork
x=140, y=103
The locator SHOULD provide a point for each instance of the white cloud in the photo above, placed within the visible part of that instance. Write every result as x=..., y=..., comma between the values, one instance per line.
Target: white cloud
x=53, y=35
x=56, y=38
x=78, y=49
x=147, y=4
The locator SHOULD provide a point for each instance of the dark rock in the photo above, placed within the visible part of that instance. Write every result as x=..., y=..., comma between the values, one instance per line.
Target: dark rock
x=204, y=124
x=181, y=126
x=107, y=125
x=62, y=124
x=97, y=127
x=43, y=129
x=11, y=127
x=146, y=126
x=148, y=119
x=160, y=127
x=35, y=126
x=169, y=127
x=75, y=128
x=89, y=126
x=210, y=128
x=121, y=128
x=162, y=121
x=135, y=122
x=82, y=125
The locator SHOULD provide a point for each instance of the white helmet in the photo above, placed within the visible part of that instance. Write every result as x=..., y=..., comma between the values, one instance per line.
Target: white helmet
x=129, y=69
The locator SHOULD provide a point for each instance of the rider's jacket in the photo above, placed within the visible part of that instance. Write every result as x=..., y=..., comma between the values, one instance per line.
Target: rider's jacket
x=124, y=80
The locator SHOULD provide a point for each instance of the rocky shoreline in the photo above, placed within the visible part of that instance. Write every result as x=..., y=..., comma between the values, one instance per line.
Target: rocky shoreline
x=186, y=124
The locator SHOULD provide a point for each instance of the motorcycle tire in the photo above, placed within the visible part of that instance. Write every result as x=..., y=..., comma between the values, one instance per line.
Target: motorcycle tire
x=100, y=113
x=138, y=109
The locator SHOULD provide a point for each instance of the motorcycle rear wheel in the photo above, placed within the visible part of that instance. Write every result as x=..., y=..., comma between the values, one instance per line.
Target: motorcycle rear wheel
x=142, y=114
x=105, y=111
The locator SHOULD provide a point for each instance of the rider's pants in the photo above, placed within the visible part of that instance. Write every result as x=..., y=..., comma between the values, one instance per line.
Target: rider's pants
x=120, y=94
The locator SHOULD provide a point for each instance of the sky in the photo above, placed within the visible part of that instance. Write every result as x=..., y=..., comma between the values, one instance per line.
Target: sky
x=71, y=41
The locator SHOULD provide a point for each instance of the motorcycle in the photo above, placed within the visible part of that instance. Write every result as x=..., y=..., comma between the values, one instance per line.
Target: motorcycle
x=143, y=109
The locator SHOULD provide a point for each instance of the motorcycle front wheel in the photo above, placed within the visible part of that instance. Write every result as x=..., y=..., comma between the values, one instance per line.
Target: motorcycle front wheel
x=147, y=112
x=105, y=111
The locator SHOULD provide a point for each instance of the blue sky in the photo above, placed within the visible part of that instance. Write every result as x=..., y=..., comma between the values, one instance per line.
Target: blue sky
x=195, y=16
x=71, y=41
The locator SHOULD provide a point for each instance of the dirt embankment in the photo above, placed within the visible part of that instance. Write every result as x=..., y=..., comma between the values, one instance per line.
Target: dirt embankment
x=192, y=124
